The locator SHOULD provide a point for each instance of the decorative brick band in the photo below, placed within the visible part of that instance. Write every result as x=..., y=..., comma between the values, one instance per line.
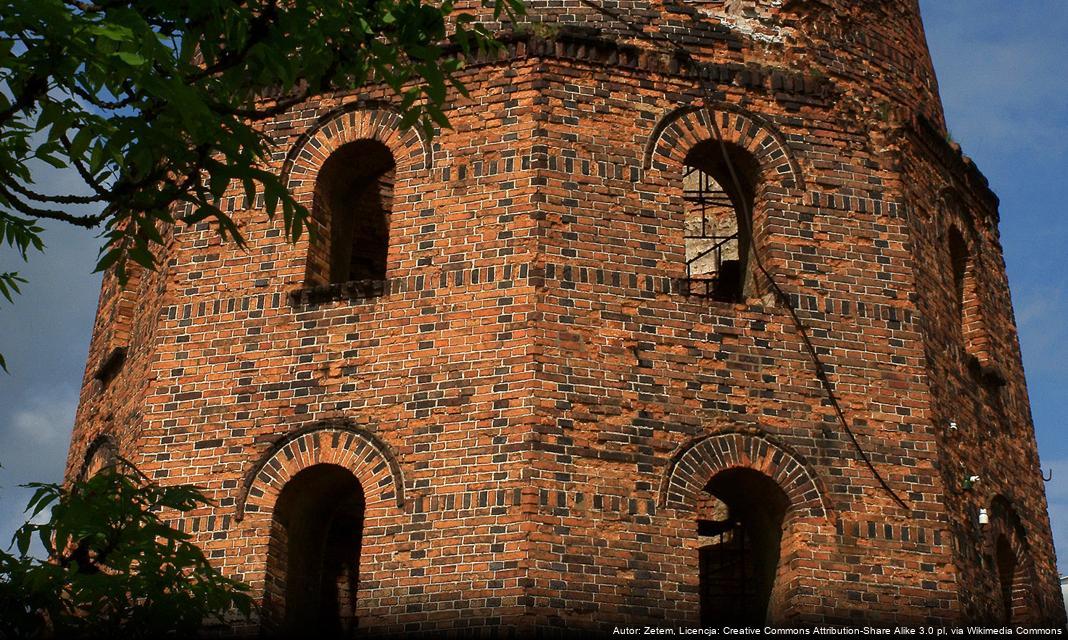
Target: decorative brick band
x=568, y=503
x=360, y=452
x=697, y=463
x=849, y=531
x=217, y=526
x=685, y=127
x=503, y=277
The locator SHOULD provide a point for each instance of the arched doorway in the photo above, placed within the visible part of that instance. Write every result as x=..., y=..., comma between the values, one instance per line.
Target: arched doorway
x=313, y=569
x=1013, y=564
x=739, y=523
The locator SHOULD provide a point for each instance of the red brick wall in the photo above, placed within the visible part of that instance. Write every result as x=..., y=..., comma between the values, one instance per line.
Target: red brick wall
x=530, y=403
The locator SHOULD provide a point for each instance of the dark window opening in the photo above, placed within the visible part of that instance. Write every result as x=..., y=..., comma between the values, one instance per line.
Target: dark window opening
x=351, y=210
x=315, y=552
x=717, y=226
x=1014, y=567
x=101, y=455
x=110, y=367
x=966, y=307
x=740, y=527
x=960, y=262
x=1006, y=565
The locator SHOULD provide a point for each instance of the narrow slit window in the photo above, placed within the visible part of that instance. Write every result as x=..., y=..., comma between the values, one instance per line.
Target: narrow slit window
x=1013, y=566
x=1006, y=566
x=123, y=311
x=966, y=306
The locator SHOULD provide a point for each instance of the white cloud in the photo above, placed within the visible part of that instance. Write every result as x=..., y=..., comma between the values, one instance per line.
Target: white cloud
x=46, y=420
x=1043, y=335
x=34, y=436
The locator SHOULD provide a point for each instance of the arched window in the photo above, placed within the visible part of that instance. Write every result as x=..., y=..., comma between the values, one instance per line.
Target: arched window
x=961, y=266
x=314, y=563
x=966, y=305
x=739, y=524
x=101, y=454
x=1015, y=571
x=351, y=211
x=719, y=206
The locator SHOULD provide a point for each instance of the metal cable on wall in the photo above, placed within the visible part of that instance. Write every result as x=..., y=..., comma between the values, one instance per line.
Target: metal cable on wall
x=821, y=374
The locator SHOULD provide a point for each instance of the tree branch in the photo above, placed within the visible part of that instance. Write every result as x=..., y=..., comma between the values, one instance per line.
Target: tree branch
x=34, y=88
x=258, y=30
x=259, y=114
x=40, y=197
x=87, y=222
x=83, y=171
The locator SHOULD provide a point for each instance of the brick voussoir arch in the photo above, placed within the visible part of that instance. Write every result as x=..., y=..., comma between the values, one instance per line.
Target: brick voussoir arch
x=682, y=129
x=367, y=457
x=1005, y=521
x=358, y=121
x=696, y=463
x=104, y=448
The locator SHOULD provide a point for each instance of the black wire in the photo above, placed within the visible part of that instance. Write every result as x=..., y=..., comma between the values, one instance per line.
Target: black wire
x=821, y=372
x=746, y=220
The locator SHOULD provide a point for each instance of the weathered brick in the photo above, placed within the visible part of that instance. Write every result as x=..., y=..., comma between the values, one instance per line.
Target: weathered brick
x=531, y=404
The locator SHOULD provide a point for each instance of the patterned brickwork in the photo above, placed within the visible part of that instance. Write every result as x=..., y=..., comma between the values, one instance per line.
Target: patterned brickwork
x=533, y=407
x=702, y=460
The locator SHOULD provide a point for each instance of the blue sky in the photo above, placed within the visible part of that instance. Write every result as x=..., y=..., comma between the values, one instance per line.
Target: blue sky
x=1001, y=68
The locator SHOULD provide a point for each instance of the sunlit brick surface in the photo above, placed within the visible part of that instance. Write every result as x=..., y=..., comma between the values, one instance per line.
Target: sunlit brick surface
x=530, y=401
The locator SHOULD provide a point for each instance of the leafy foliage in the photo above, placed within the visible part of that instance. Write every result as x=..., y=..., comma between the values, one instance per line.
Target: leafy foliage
x=158, y=104
x=115, y=568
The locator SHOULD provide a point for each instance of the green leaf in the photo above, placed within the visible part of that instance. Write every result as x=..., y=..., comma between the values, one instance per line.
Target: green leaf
x=111, y=31
x=155, y=100
x=9, y=284
x=117, y=569
x=108, y=259
x=80, y=144
x=142, y=256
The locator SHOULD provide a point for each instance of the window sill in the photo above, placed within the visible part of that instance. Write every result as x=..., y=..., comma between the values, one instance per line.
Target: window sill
x=351, y=291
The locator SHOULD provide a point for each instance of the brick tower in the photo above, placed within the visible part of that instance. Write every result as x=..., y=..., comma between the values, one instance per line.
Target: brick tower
x=695, y=316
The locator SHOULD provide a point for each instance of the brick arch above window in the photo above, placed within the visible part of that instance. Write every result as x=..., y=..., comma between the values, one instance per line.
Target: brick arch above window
x=697, y=463
x=1005, y=524
x=963, y=243
x=955, y=214
x=102, y=452
x=411, y=151
x=682, y=129
x=364, y=455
